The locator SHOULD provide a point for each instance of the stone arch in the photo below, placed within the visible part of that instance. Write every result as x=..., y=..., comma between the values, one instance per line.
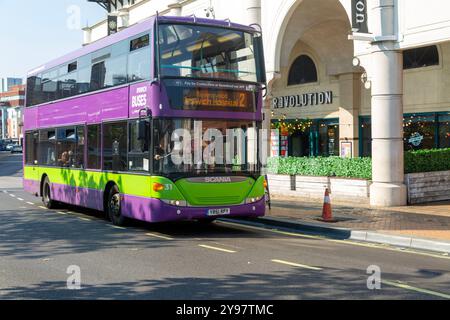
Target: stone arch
x=284, y=16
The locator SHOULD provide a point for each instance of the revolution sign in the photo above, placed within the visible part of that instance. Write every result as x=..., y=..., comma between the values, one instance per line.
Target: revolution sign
x=303, y=100
x=359, y=16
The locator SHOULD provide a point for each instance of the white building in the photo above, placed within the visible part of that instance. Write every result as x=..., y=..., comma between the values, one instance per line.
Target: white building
x=11, y=106
x=346, y=77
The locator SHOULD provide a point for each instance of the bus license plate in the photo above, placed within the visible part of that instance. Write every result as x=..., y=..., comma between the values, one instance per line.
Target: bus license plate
x=218, y=212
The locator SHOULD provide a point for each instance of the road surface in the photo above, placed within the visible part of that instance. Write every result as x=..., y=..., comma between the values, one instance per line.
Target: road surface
x=189, y=260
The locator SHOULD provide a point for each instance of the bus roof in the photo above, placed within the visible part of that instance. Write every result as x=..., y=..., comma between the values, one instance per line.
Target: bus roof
x=130, y=32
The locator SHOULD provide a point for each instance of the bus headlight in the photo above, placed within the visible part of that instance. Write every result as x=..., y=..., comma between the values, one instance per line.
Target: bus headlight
x=252, y=200
x=175, y=203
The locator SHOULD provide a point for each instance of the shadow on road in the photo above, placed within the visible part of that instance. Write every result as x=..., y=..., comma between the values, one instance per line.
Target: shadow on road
x=295, y=284
x=27, y=236
x=180, y=229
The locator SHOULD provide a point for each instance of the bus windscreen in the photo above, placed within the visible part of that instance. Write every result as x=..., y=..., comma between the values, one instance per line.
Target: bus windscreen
x=191, y=51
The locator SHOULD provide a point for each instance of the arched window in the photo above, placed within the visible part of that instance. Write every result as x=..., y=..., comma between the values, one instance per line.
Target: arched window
x=303, y=70
x=420, y=57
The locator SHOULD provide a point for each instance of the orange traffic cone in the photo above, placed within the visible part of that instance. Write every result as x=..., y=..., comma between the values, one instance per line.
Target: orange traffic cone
x=327, y=213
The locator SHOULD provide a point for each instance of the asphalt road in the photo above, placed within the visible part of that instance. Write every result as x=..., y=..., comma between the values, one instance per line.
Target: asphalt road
x=192, y=261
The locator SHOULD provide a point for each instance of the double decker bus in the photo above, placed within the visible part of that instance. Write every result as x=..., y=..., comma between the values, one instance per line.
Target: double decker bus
x=158, y=122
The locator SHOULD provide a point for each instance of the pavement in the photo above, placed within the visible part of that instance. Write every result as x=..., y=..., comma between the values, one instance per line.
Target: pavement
x=191, y=261
x=420, y=227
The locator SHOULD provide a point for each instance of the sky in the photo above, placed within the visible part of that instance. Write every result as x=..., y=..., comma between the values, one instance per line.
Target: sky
x=33, y=32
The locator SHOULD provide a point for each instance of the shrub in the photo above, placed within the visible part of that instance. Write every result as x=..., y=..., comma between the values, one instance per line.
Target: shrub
x=322, y=167
x=361, y=168
x=427, y=160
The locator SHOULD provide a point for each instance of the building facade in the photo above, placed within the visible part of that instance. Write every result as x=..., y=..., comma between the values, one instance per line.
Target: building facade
x=8, y=82
x=12, y=103
x=345, y=77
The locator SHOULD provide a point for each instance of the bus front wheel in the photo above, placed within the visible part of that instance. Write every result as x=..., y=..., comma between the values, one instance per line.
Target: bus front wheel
x=114, y=207
x=49, y=203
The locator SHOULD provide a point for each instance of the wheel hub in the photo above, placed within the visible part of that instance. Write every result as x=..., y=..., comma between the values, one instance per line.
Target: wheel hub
x=114, y=204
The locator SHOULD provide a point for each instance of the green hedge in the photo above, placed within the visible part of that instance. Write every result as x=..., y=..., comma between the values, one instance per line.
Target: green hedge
x=361, y=168
x=427, y=160
x=322, y=167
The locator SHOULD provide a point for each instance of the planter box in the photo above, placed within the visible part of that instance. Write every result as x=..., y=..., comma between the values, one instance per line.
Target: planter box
x=422, y=187
x=352, y=189
x=428, y=187
x=345, y=190
x=311, y=187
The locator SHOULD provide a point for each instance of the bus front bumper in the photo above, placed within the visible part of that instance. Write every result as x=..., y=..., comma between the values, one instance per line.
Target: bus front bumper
x=155, y=210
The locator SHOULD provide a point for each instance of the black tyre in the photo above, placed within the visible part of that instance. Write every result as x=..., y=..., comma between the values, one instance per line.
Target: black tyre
x=114, y=207
x=49, y=203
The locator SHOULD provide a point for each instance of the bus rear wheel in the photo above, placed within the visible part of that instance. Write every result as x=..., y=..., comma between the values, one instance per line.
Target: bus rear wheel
x=114, y=207
x=47, y=200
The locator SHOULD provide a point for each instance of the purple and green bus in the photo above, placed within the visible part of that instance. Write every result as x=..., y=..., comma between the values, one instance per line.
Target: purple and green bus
x=103, y=125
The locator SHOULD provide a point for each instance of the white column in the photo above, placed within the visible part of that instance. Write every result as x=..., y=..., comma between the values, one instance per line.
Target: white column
x=175, y=8
x=123, y=18
x=87, y=33
x=388, y=188
x=253, y=9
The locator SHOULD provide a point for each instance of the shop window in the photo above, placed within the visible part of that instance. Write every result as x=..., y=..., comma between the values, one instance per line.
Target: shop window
x=300, y=145
x=420, y=57
x=444, y=131
x=115, y=146
x=420, y=132
x=302, y=71
x=93, y=147
x=328, y=140
x=365, y=137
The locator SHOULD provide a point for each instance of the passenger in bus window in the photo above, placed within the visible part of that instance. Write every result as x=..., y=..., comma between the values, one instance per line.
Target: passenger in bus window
x=71, y=160
x=64, y=159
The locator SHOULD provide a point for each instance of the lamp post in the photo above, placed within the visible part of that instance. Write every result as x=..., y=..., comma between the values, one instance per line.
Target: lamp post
x=2, y=118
